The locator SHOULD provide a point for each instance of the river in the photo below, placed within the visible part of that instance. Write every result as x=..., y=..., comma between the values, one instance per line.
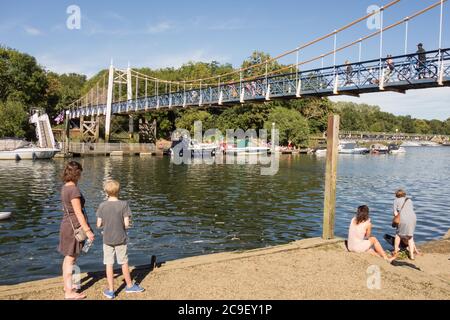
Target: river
x=189, y=210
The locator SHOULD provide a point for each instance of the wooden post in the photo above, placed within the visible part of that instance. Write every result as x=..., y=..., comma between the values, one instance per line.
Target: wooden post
x=97, y=128
x=329, y=208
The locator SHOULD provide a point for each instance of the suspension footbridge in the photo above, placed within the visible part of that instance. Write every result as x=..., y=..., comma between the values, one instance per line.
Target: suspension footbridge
x=410, y=71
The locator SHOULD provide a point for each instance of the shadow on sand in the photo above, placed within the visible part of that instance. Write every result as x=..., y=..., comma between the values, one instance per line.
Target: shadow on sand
x=138, y=274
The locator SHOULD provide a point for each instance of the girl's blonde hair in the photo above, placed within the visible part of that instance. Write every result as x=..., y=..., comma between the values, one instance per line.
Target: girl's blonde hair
x=112, y=188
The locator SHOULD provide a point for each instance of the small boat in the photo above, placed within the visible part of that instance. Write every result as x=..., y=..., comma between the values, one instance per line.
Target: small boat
x=247, y=150
x=429, y=144
x=193, y=147
x=321, y=152
x=46, y=148
x=446, y=144
x=396, y=149
x=5, y=215
x=378, y=148
x=409, y=144
x=352, y=148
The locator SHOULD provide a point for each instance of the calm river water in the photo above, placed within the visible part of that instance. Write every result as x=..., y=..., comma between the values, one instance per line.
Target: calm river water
x=182, y=211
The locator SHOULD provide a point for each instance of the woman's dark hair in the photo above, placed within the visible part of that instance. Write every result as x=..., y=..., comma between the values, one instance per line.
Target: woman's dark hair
x=72, y=172
x=362, y=215
x=400, y=193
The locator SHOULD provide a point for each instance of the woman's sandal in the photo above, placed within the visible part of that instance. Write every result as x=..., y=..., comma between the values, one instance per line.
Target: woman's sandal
x=79, y=296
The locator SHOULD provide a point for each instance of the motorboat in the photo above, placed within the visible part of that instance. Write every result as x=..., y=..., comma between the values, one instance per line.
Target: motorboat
x=352, y=148
x=5, y=215
x=378, y=148
x=429, y=144
x=193, y=147
x=409, y=144
x=321, y=152
x=46, y=147
x=396, y=149
x=247, y=150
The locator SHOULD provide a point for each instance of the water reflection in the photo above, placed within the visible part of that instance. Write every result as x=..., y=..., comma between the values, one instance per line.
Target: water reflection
x=184, y=210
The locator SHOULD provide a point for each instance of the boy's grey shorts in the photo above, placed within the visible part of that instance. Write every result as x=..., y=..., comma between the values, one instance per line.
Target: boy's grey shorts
x=119, y=251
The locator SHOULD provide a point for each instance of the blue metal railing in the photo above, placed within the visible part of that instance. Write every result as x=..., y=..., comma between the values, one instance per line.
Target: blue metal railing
x=408, y=72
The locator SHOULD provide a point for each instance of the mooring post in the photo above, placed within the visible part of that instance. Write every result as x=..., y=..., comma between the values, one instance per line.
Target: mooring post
x=329, y=208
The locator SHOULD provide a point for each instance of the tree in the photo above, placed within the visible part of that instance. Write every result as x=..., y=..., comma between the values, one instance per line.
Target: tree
x=291, y=124
x=421, y=126
x=13, y=119
x=187, y=119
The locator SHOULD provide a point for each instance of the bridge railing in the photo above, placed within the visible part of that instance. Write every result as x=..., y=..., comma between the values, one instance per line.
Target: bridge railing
x=358, y=77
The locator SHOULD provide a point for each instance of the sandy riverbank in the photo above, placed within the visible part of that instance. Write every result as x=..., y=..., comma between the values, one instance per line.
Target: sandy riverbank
x=307, y=269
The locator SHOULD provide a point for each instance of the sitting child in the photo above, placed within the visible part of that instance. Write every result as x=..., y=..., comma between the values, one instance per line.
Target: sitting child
x=114, y=216
x=359, y=235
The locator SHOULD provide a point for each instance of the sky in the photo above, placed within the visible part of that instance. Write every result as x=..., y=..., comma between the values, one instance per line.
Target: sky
x=160, y=34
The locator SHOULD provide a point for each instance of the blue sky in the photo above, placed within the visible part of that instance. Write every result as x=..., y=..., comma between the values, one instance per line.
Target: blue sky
x=170, y=33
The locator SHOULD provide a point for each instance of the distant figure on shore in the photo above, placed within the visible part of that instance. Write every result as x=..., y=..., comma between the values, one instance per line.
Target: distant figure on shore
x=359, y=235
x=422, y=59
x=113, y=216
x=404, y=207
x=74, y=222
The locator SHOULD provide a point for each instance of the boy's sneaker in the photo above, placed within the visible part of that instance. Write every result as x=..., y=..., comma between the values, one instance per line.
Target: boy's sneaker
x=134, y=289
x=109, y=294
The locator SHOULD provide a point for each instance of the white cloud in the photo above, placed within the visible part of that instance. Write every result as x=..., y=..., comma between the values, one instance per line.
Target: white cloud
x=176, y=60
x=161, y=27
x=229, y=25
x=425, y=103
x=32, y=31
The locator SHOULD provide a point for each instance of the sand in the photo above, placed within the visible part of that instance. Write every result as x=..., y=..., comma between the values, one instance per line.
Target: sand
x=307, y=269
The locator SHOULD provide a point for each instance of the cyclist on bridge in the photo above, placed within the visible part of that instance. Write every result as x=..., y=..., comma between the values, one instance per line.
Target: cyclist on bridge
x=422, y=59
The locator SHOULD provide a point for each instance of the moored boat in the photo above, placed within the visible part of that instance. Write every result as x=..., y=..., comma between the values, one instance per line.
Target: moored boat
x=5, y=215
x=378, y=148
x=46, y=148
x=352, y=148
x=396, y=149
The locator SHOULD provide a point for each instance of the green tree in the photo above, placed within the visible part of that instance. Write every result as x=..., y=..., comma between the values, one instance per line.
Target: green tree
x=421, y=126
x=291, y=124
x=13, y=119
x=187, y=119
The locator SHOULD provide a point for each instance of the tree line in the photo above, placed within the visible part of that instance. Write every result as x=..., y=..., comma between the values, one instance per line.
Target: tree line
x=25, y=85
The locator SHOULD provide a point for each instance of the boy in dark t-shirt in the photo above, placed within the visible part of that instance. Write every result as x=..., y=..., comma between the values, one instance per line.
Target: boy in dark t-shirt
x=114, y=216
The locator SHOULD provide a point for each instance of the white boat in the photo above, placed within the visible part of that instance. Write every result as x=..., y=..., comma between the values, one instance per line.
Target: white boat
x=396, y=149
x=5, y=215
x=409, y=144
x=32, y=153
x=193, y=147
x=46, y=148
x=321, y=152
x=352, y=148
x=429, y=144
x=247, y=150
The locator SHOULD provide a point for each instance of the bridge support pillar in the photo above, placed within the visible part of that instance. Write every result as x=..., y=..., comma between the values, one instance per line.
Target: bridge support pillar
x=90, y=130
x=109, y=102
x=329, y=209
